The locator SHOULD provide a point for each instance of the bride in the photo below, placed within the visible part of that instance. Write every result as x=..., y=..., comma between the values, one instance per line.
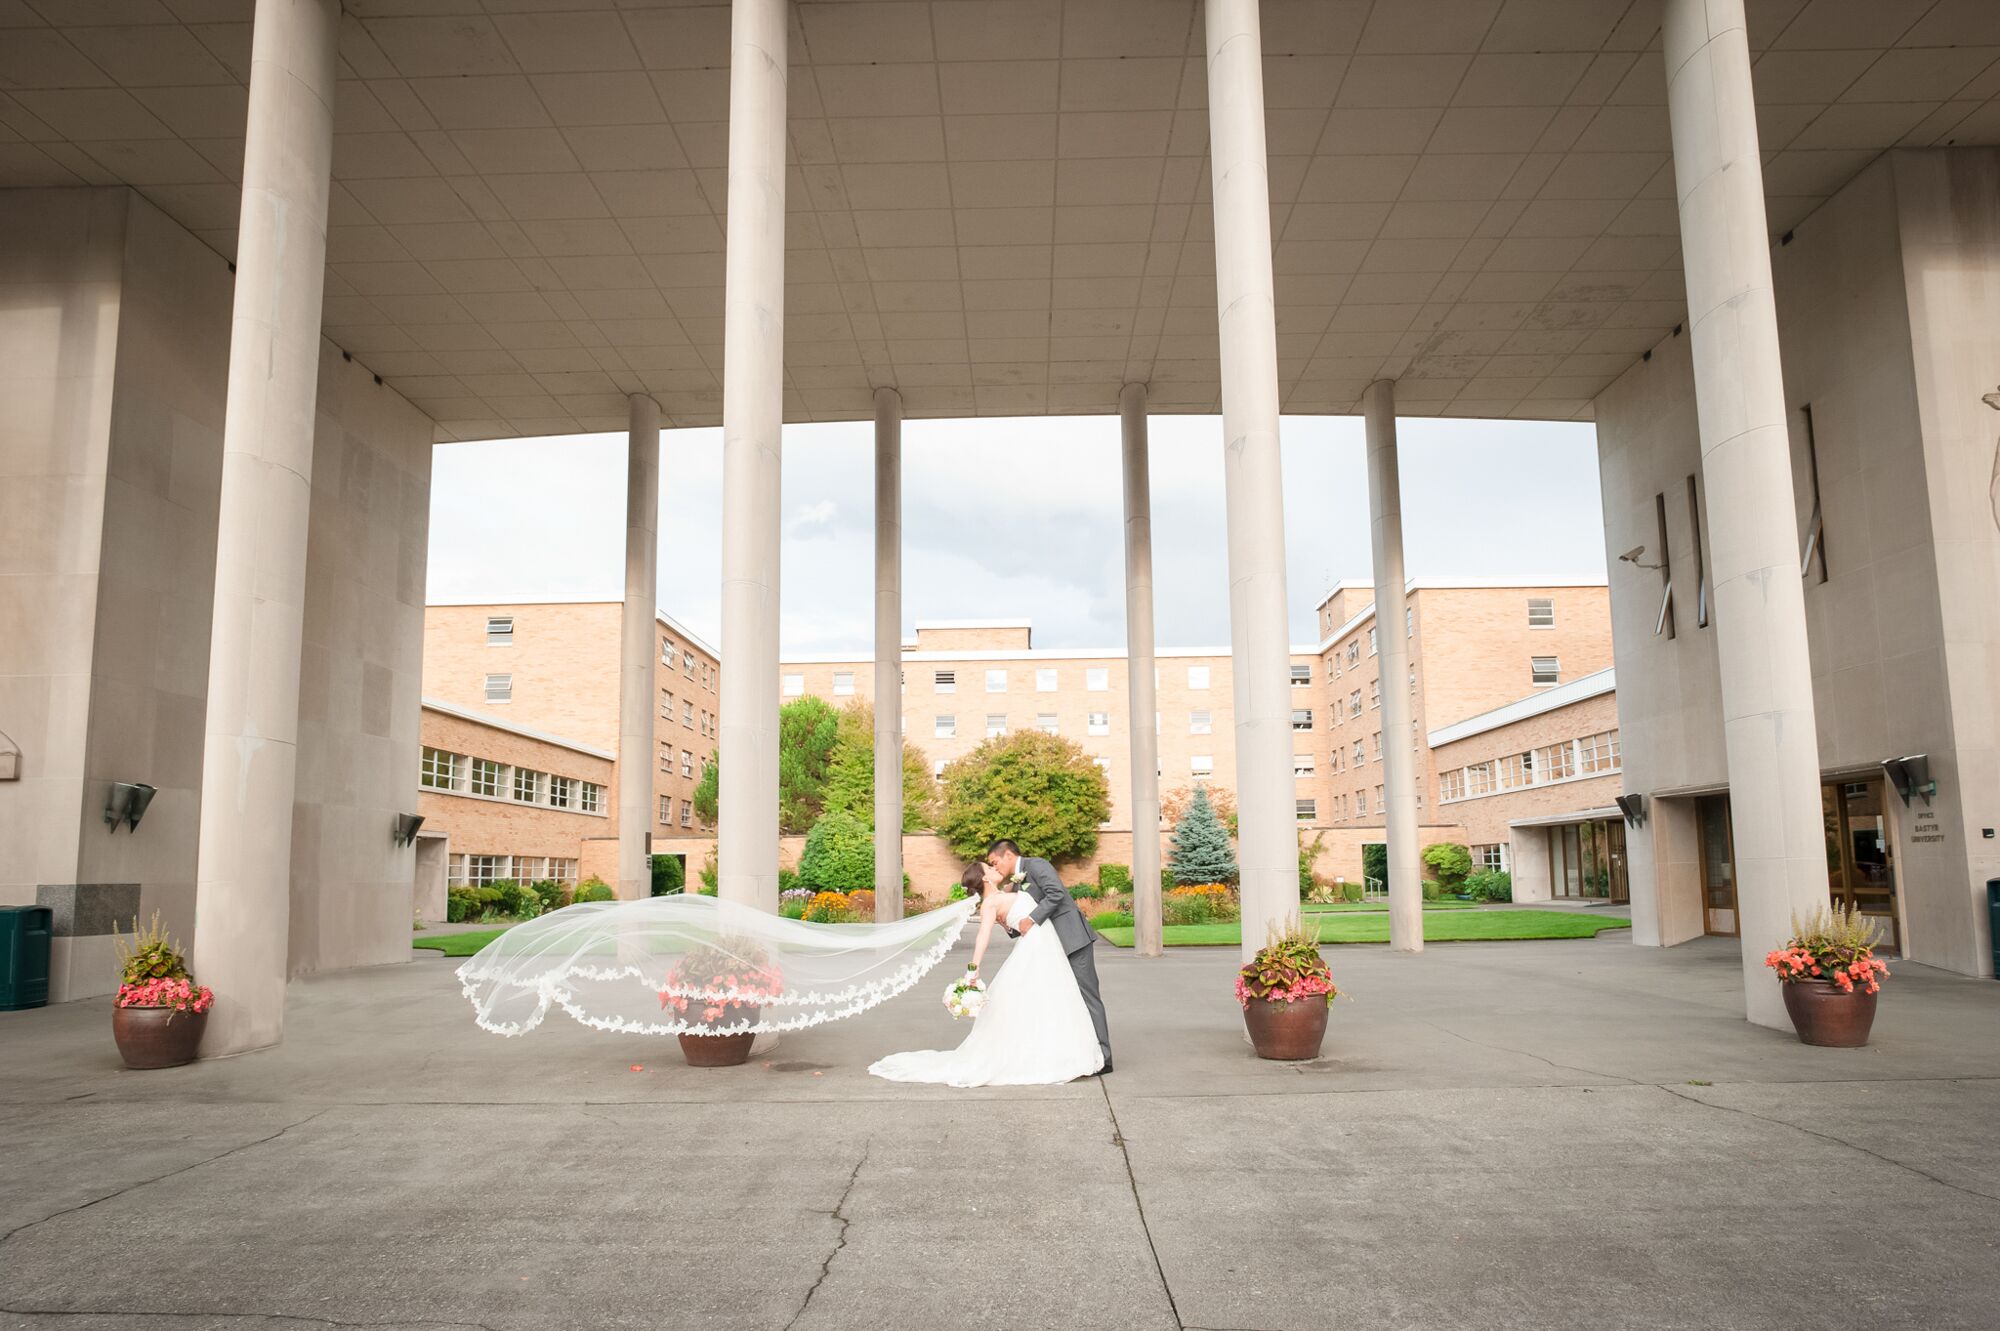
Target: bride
x=1033, y=1030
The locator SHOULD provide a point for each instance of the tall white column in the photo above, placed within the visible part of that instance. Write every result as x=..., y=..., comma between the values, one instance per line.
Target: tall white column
x=1267, y=830
x=250, y=747
x=637, y=676
x=1142, y=703
x=1760, y=619
x=1392, y=648
x=753, y=369
x=888, y=654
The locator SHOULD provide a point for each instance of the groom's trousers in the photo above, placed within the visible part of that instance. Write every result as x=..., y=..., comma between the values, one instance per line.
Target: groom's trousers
x=1083, y=961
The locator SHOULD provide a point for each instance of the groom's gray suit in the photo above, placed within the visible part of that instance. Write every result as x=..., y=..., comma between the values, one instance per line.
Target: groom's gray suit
x=1056, y=909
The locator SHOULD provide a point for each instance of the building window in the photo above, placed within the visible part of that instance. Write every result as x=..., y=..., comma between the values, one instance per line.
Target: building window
x=1410, y=622
x=1046, y=722
x=1354, y=652
x=1451, y=785
x=666, y=810
x=481, y=870
x=996, y=681
x=1360, y=752
x=666, y=705
x=1045, y=680
x=1556, y=762
x=687, y=664
x=937, y=767
x=1099, y=723
x=499, y=688
x=590, y=797
x=687, y=716
x=666, y=651
x=1200, y=723
x=1354, y=703
x=1371, y=640
x=1197, y=677
x=947, y=727
x=996, y=724
x=945, y=681
x=1378, y=745
x=1491, y=857
x=485, y=777
x=1545, y=671
x=707, y=725
x=1097, y=679
x=1541, y=612
x=1375, y=692
x=1201, y=766
x=440, y=770
x=1517, y=771
x=1302, y=676
x=1599, y=752
x=843, y=683
x=499, y=630
x=1479, y=778
x=687, y=763
x=666, y=756
x=562, y=792
x=527, y=785
x=1361, y=804
x=687, y=813
x=795, y=686
x=1103, y=765
x=1302, y=718
x=1302, y=764
x=1308, y=809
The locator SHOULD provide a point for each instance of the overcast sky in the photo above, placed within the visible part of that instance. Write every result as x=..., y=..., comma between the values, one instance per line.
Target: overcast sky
x=1012, y=518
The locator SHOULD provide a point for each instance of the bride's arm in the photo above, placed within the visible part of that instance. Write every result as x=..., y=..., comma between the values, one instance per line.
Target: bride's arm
x=989, y=911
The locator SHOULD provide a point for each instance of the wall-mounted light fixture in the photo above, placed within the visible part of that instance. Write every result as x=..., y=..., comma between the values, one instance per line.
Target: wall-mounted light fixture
x=127, y=803
x=1634, y=809
x=1911, y=776
x=406, y=827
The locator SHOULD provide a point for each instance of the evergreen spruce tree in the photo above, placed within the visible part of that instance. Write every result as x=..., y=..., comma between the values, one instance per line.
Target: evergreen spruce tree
x=1201, y=851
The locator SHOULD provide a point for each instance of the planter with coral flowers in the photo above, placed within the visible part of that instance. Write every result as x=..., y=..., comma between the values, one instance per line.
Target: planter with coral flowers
x=1285, y=992
x=1831, y=978
x=718, y=991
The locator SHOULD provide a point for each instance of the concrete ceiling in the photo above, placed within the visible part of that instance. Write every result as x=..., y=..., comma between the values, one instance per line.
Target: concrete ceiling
x=998, y=206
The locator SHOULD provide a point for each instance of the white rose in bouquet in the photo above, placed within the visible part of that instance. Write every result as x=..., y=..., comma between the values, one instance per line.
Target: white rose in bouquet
x=966, y=996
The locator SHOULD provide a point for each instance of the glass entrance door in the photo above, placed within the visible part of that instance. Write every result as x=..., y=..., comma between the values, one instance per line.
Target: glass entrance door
x=1860, y=868
x=1718, y=865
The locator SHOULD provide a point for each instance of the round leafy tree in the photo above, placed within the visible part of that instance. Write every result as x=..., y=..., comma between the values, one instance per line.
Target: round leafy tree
x=1449, y=863
x=1041, y=790
x=850, y=773
x=839, y=855
x=1201, y=851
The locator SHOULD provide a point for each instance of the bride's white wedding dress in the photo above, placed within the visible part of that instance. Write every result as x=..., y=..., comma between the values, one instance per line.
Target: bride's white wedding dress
x=1033, y=1031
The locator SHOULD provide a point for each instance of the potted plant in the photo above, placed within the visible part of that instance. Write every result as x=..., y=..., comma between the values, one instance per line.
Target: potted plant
x=1830, y=978
x=1285, y=992
x=719, y=989
x=160, y=1012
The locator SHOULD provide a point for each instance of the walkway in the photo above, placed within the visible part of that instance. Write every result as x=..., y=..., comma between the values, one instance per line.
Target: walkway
x=1531, y=1135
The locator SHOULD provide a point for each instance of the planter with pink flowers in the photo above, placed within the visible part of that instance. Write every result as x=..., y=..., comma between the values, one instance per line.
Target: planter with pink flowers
x=160, y=1012
x=1831, y=978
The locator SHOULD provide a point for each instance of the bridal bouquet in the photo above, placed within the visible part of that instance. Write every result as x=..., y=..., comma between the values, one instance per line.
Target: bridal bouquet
x=966, y=996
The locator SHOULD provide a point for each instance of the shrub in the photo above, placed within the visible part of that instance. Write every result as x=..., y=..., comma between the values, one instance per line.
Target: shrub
x=519, y=900
x=1350, y=891
x=863, y=903
x=839, y=855
x=957, y=893
x=594, y=888
x=830, y=908
x=1490, y=885
x=1308, y=855
x=1199, y=903
x=1201, y=852
x=792, y=901
x=553, y=895
x=711, y=876
x=1115, y=879
x=1449, y=863
x=1042, y=790
x=788, y=881
x=669, y=875
x=460, y=904
x=1432, y=891
x=1087, y=891
x=1111, y=919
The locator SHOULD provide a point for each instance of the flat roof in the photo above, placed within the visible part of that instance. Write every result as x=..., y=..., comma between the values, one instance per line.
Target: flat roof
x=1554, y=698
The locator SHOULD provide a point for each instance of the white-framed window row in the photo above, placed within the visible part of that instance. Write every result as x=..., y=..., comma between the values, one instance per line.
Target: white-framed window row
x=946, y=727
x=1541, y=612
x=1201, y=723
x=1546, y=765
x=1098, y=723
x=945, y=681
x=451, y=773
x=1302, y=764
x=1545, y=671
x=843, y=683
x=499, y=630
x=499, y=689
x=1302, y=676
x=1302, y=718
x=1046, y=723
x=996, y=724
x=481, y=870
x=1307, y=809
x=1491, y=856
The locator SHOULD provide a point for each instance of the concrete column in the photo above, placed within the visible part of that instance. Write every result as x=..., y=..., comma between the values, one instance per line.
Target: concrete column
x=250, y=746
x=1392, y=648
x=1143, y=704
x=1260, y=639
x=637, y=675
x=888, y=654
x=753, y=402
x=1760, y=619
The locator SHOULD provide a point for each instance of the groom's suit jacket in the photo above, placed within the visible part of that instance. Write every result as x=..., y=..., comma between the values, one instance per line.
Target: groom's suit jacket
x=1054, y=906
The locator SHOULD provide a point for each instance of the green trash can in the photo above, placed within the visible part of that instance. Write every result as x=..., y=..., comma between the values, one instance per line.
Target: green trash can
x=24, y=956
x=1993, y=921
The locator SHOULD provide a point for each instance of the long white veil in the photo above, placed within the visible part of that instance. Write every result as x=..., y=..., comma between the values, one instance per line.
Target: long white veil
x=673, y=964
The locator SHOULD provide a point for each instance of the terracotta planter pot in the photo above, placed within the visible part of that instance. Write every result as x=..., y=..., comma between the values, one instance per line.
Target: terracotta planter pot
x=719, y=1051
x=1824, y=1015
x=1288, y=1032
x=156, y=1037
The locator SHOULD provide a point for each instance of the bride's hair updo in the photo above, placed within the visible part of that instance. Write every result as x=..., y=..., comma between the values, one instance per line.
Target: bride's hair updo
x=973, y=880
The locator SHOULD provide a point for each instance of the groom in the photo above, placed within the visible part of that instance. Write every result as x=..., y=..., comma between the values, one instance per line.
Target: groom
x=1054, y=904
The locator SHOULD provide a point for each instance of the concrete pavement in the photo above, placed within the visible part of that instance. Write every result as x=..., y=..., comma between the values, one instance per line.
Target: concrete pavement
x=1549, y=1135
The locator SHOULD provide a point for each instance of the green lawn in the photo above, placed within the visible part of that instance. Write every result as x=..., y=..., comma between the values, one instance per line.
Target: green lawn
x=1319, y=907
x=460, y=945
x=1439, y=927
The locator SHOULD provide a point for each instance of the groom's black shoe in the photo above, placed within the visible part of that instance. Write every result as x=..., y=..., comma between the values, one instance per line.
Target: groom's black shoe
x=1105, y=1071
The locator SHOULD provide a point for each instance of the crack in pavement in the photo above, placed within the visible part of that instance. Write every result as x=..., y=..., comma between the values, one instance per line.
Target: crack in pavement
x=1523, y=1053
x=1132, y=1181
x=305, y=1318
x=161, y=1178
x=1837, y=1141
x=839, y=1213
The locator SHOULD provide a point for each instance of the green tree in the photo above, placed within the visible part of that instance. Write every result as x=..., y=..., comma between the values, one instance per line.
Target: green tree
x=850, y=774
x=706, y=790
x=839, y=855
x=1201, y=851
x=669, y=876
x=1040, y=789
x=807, y=730
x=1449, y=863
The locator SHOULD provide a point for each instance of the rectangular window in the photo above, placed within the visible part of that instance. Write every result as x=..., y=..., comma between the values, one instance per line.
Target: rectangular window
x=1375, y=692
x=945, y=681
x=666, y=705
x=1371, y=640
x=1045, y=680
x=666, y=756
x=562, y=792
x=996, y=681
x=687, y=813
x=440, y=770
x=687, y=763
x=1545, y=670
x=1308, y=809
x=1354, y=703
x=483, y=869
x=499, y=630
x=1479, y=778
x=1360, y=752
x=947, y=727
x=1360, y=804
x=485, y=777
x=1302, y=718
x=499, y=688
x=1197, y=677
x=1493, y=857
x=1378, y=745
x=1201, y=766
x=1302, y=676
x=937, y=768
x=1354, y=652
x=996, y=724
x=666, y=810
x=1200, y=723
x=1046, y=722
x=590, y=797
x=1410, y=622
x=1103, y=765
x=1451, y=785
x=1302, y=764
x=843, y=683
x=1541, y=612
x=1556, y=762
x=795, y=686
x=687, y=716
x=666, y=651
x=527, y=785
x=1599, y=752
x=1097, y=679
x=1517, y=771
x=1100, y=723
